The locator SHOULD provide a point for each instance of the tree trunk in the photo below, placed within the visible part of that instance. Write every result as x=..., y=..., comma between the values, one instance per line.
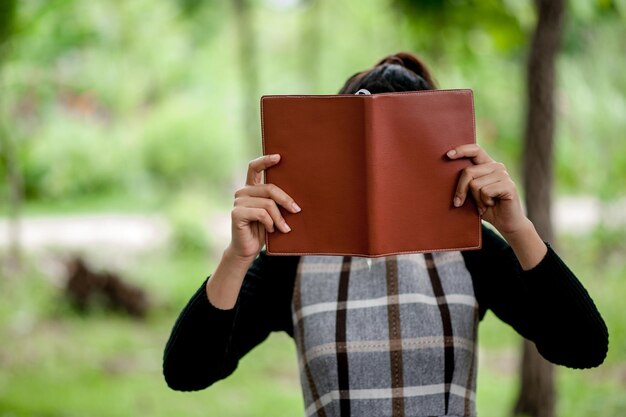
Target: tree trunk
x=537, y=391
x=248, y=64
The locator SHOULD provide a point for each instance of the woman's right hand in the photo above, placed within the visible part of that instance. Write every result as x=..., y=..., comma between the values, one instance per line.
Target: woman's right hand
x=255, y=210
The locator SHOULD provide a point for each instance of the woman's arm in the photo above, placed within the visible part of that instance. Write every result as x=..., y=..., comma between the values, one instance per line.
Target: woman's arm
x=237, y=307
x=546, y=304
x=206, y=342
x=255, y=212
x=522, y=279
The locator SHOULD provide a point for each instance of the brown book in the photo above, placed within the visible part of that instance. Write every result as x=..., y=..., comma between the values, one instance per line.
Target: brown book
x=370, y=172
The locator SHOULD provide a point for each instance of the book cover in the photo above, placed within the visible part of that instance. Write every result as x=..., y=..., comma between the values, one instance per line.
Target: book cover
x=370, y=172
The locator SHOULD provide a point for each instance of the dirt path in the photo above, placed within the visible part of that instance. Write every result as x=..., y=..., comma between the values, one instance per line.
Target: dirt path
x=133, y=233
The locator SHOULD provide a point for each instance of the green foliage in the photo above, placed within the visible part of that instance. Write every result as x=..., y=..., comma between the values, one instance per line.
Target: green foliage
x=7, y=15
x=116, y=97
x=458, y=21
x=592, y=110
x=78, y=157
x=187, y=213
x=102, y=100
x=185, y=142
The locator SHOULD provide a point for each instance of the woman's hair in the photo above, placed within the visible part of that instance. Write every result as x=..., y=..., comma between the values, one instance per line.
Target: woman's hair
x=398, y=72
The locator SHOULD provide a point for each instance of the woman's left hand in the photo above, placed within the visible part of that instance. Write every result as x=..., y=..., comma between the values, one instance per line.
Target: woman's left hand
x=492, y=188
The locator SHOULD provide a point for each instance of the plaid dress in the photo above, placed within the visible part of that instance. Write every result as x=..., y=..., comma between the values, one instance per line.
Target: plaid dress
x=388, y=336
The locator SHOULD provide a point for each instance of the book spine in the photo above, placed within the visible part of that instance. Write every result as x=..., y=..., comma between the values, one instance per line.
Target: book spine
x=369, y=142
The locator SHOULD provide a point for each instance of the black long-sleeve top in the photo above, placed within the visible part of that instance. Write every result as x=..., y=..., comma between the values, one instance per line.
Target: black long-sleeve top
x=546, y=304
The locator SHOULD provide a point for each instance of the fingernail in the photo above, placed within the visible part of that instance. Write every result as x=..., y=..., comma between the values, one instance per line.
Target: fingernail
x=287, y=227
x=296, y=207
x=275, y=157
x=451, y=152
x=457, y=201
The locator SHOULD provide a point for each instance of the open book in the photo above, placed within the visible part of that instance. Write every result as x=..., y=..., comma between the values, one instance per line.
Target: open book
x=370, y=172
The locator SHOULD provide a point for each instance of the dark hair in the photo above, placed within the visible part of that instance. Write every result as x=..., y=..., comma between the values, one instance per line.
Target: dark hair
x=398, y=72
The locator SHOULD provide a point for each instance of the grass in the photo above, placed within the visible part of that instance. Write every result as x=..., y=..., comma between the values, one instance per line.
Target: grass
x=56, y=363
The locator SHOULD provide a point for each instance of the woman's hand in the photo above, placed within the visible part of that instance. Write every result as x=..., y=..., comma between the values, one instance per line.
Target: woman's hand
x=498, y=203
x=492, y=188
x=255, y=210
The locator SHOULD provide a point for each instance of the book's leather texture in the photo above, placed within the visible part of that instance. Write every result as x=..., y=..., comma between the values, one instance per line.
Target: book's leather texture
x=370, y=172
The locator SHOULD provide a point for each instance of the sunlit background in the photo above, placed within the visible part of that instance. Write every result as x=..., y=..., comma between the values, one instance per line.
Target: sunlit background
x=127, y=125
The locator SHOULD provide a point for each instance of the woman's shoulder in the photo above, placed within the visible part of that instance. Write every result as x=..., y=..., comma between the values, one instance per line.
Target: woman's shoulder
x=270, y=271
x=274, y=264
x=493, y=246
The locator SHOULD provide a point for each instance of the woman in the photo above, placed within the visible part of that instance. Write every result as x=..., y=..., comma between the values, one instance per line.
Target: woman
x=396, y=337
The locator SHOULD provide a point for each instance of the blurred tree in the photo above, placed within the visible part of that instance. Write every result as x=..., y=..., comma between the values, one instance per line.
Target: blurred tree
x=455, y=21
x=7, y=16
x=310, y=51
x=443, y=28
x=249, y=74
x=7, y=146
x=205, y=18
x=536, y=396
x=190, y=7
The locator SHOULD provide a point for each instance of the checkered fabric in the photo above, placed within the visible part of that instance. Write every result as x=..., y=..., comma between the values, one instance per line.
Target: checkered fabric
x=395, y=336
